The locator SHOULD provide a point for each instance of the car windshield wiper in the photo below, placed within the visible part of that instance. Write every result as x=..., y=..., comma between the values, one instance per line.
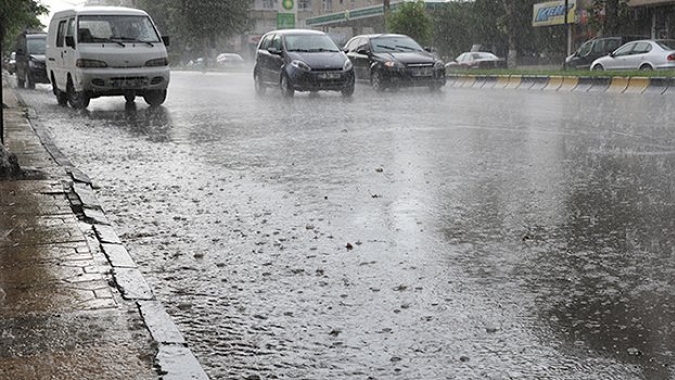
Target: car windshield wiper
x=300, y=50
x=100, y=39
x=406, y=47
x=386, y=47
x=128, y=39
x=321, y=50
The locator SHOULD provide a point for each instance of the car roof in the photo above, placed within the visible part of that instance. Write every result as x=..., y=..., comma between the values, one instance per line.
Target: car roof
x=95, y=10
x=377, y=35
x=296, y=32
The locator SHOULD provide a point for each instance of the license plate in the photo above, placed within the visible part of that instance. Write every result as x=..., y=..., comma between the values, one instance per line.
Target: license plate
x=128, y=83
x=422, y=72
x=329, y=75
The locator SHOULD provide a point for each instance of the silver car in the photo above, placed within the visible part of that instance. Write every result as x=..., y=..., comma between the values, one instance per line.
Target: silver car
x=639, y=55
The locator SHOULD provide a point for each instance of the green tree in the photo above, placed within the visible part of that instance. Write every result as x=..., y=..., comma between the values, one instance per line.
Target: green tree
x=16, y=15
x=411, y=19
x=198, y=24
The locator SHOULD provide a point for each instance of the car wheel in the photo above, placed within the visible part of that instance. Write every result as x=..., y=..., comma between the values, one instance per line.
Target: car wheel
x=598, y=68
x=155, y=97
x=20, y=81
x=286, y=89
x=77, y=99
x=377, y=81
x=348, y=91
x=129, y=96
x=259, y=85
x=61, y=97
x=645, y=67
x=29, y=82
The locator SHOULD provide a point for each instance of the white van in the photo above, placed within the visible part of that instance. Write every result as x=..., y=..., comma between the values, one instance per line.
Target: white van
x=106, y=51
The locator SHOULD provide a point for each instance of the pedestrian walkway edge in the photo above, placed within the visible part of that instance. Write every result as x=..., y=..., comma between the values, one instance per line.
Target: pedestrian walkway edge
x=174, y=359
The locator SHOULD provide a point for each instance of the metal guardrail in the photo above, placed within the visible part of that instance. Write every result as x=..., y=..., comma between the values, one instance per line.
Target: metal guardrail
x=635, y=85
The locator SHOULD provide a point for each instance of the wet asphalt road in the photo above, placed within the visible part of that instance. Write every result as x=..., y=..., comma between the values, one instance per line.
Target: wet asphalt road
x=501, y=234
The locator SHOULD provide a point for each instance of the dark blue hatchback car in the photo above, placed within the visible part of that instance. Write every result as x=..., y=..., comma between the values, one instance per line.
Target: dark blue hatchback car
x=301, y=60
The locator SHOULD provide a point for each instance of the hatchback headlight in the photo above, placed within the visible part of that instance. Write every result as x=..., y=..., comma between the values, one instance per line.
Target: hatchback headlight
x=301, y=65
x=347, y=66
x=393, y=65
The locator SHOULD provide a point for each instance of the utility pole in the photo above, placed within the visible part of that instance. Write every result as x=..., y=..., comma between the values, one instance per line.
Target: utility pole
x=568, y=29
x=2, y=104
x=385, y=12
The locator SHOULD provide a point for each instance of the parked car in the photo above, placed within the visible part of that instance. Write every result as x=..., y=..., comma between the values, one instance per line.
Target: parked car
x=476, y=60
x=639, y=55
x=230, y=60
x=10, y=63
x=595, y=48
x=30, y=65
x=394, y=60
x=301, y=60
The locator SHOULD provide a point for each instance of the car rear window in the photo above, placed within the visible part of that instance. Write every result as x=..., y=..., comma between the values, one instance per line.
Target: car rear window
x=666, y=44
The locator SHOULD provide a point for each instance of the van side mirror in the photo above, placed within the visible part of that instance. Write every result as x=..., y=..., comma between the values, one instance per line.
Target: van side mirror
x=70, y=41
x=274, y=50
x=166, y=41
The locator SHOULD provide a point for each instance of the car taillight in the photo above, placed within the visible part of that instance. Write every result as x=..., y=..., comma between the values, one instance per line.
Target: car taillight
x=670, y=57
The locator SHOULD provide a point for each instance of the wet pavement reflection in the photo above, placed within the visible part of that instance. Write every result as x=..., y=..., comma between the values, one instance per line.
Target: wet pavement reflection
x=469, y=234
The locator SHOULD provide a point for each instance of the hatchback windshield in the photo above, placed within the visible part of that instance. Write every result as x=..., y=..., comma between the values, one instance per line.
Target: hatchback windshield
x=389, y=44
x=310, y=43
x=36, y=45
x=101, y=28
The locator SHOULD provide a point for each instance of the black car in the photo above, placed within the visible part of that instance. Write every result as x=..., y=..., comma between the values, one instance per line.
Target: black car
x=30, y=59
x=301, y=60
x=394, y=60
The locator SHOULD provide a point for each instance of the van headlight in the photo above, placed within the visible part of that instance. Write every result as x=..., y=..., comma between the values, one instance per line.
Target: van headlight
x=84, y=63
x=301, y=65
x=348, y=65
x=157, y=62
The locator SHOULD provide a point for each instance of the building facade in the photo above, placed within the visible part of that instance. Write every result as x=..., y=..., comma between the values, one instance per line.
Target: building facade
x=662, y=14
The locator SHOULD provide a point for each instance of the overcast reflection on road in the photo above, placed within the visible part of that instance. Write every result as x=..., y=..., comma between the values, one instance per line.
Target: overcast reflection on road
x=467, y=234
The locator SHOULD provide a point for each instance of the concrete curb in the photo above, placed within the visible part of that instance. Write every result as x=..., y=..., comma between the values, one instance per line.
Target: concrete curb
x=174, y=358
x=628, y=85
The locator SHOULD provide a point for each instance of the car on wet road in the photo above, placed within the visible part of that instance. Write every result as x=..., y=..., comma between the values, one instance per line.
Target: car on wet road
x=394, y=60
x=476, y=60
x=639, y=55
x=301, y=60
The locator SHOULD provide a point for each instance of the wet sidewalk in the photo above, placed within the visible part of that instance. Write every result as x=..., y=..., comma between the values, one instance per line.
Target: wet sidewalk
x=73, y=305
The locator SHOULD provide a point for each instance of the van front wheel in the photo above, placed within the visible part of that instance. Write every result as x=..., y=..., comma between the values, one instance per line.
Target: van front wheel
x=77, y=99
x=155, y=97
x=61, y=97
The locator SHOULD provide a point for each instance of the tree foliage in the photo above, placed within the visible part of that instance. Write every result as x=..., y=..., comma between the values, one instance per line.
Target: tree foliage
x=411, y=19
x=18, y=15
x=198, y=24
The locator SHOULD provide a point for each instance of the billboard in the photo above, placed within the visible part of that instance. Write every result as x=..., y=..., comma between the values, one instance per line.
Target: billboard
x=288, y=11
x=553, y=13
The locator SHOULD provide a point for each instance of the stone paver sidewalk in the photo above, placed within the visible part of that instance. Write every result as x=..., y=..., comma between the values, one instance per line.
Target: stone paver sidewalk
x=73, y=305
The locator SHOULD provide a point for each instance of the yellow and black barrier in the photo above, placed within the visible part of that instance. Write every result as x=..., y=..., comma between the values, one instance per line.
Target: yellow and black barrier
x=628, y=85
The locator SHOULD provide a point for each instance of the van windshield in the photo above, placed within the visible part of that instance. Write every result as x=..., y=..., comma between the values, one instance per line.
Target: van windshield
x=117, y=28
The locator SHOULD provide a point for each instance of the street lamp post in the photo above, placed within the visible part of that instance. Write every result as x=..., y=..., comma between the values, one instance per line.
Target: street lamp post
x=568, y=30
